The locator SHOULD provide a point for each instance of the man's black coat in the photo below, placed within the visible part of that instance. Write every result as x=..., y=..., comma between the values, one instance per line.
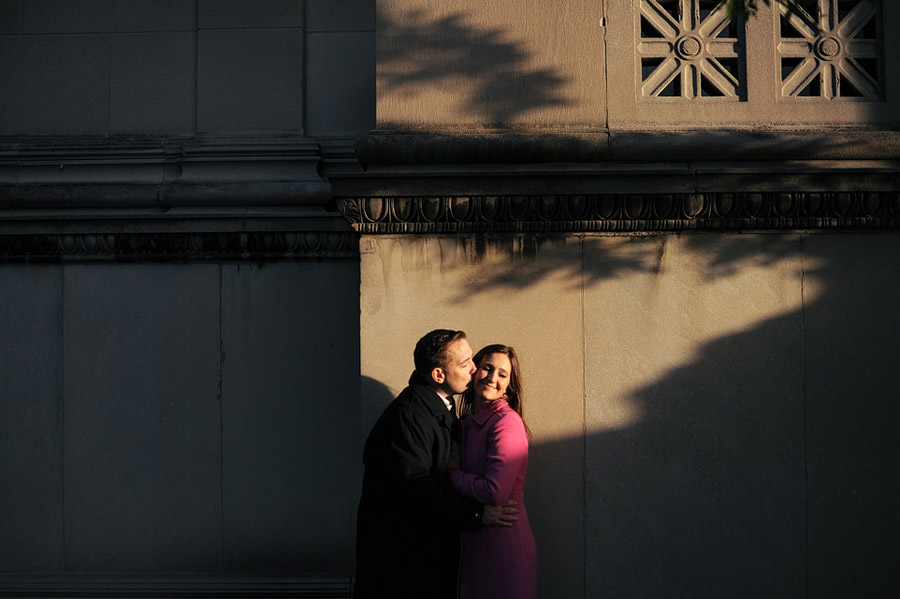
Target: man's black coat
x=407, y=542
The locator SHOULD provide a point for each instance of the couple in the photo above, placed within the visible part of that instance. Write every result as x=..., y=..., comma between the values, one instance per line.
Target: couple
x=432, y=481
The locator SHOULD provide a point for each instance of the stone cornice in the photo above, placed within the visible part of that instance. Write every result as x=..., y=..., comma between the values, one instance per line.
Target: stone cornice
x=384, y=147
x=624, y=213
x=73, y=172
x=626, y=180
x=171, y=199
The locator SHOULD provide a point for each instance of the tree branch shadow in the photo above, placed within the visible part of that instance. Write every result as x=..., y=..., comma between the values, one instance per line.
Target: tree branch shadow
x=493, y=76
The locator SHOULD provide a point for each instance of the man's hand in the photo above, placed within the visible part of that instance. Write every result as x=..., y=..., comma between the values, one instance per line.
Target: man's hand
x=500, y=515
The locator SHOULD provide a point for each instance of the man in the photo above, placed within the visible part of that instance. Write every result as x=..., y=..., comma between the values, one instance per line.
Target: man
x=407, y=542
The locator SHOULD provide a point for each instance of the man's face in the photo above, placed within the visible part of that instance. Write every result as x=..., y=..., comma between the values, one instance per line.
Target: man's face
x=459, y=368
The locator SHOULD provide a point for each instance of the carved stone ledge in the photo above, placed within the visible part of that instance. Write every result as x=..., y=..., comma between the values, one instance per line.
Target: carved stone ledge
x=385, y=147
x=623, y=213
x=177, y=247
x=72, y=172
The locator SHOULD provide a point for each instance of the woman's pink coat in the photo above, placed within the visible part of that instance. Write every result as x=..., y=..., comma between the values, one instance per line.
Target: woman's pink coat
x=496, y=562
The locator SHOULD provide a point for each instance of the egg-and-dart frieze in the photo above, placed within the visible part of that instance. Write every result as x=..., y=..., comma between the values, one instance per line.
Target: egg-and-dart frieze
x=623, y=212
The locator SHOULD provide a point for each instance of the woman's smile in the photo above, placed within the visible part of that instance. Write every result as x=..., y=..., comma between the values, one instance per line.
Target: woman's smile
x=492, y=377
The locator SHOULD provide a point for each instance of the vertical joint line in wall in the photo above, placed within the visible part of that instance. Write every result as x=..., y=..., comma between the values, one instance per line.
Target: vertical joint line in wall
x=605, y=63
x=584, y=583
x=304, y=70
x=62, y=412
x=109, y=84
x=803, y=399
x=221, y=430
x=196, y=66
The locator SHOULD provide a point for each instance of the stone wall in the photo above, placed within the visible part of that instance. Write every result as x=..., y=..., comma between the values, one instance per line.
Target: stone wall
x=179, y=366
x=218, y=245
x=711, y=412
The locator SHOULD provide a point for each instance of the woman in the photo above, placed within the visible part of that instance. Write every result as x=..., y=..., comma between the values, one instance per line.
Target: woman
x=496, y=562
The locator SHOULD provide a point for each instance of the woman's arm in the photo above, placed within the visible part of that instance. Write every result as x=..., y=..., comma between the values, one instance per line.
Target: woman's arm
x=507, y=450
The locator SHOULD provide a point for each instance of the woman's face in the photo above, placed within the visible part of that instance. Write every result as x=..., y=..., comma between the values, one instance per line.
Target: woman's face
x=492, y=377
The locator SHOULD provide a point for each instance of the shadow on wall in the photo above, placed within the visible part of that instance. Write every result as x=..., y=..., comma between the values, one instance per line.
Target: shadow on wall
x=492, y=75
x=525, y=261
x=736, y=484
x=765, y=462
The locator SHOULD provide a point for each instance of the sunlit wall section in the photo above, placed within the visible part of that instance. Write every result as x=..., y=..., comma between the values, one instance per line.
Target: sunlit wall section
x=694, y=444
x=518, y=291
x=509, y=63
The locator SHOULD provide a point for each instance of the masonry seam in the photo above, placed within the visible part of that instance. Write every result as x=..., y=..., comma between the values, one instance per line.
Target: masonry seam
x=62, y=411
x=803, y=399
x=221, y=427
x=584, y=468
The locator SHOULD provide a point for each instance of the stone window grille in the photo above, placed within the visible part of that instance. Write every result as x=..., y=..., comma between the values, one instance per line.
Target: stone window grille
x=691, y=50
x=833, y=54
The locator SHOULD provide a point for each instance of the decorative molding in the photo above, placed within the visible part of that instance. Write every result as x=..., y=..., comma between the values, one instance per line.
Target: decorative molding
x=162, y=172
x=623, y=213
x=153, y=587
x=177, y=247
x=175, y=198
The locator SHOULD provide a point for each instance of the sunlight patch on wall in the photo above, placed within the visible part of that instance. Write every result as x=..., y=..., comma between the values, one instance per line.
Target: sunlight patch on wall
x=693, y=292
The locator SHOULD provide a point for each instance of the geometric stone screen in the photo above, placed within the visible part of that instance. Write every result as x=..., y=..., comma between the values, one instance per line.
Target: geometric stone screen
x=690, y=49
x=831, y=52
x=827, y=50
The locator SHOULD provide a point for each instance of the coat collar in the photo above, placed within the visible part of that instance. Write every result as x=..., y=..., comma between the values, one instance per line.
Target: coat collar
x=489, y=410
x=429, y=395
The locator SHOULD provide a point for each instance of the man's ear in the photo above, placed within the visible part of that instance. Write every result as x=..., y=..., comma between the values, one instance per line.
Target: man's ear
x=438, y=375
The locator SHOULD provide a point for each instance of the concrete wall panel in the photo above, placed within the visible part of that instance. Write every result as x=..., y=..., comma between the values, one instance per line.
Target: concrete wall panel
x=290, y=411
x=340, y=105
x=31, y=418
x=695, y=429
x=225, y=14
x=250, y=80
x=142, y=418
x=853, y=383
x=107, y=16
x=61, y=83
x=349, y=15
x=11, y=17
x=153, y=83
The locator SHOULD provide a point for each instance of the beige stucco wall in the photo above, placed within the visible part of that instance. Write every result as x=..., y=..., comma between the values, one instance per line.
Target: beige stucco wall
x=577, y=65
x=688, y=396
x=458, y=64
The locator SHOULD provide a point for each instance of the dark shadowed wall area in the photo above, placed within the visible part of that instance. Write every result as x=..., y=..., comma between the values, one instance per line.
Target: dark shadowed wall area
x=225, y=223
x=179, y=372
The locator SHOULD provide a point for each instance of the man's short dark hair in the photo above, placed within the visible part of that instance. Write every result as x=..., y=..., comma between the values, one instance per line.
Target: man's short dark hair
x=431, y=350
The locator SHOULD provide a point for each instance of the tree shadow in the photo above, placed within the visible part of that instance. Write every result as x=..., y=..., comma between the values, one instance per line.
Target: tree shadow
x=492, y=73
x=763, y=461
x=766, y=463
x=518, y=262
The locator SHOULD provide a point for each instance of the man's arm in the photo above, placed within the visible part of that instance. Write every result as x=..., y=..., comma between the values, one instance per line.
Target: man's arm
x=408, y=464
x=500, y=515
